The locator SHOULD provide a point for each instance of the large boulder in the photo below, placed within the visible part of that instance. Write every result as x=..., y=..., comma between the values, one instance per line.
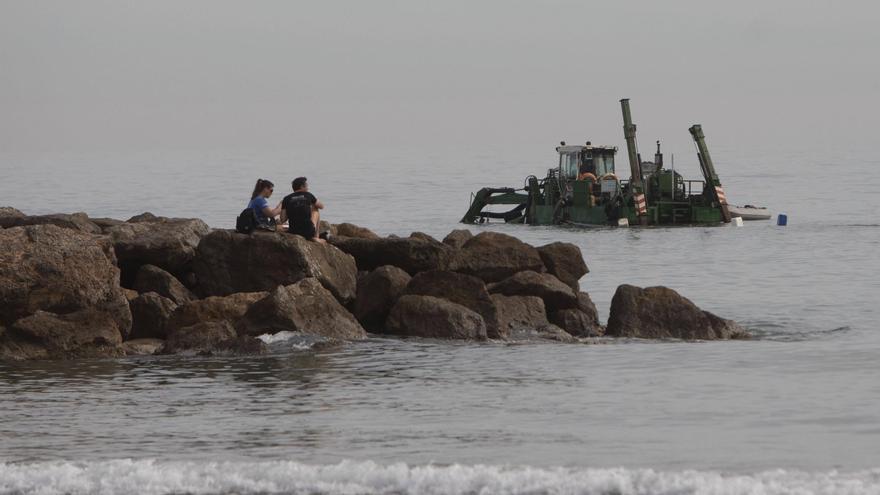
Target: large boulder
x=74, y=221
x=660, y=312
x=493, y=256
x=457, y=238
x=45, y=335
x=8, y=216
x=565, y=261
x=519, y=312
x=305, y=307
x=150, y=313
x=228, y=262
x=352, y=230
x=413, y=255
x=580, y=321
x=556, y=295
x=432, y=317
x=466, y=290
x=49, y=268
x=377, y=292
x=228, y=308
x=169, y=244
x=211, y=337
x=154, y=279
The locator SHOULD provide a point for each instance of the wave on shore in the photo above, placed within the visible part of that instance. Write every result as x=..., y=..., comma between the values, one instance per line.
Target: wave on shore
x=349, y=477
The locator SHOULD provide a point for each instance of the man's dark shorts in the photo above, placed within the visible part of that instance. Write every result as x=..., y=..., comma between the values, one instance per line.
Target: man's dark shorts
x=307, y=231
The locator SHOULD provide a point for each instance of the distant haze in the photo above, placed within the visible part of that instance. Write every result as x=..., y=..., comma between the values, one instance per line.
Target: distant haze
x=96, y=75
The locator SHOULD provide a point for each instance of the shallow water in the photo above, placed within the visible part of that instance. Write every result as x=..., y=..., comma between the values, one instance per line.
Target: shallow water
x=795, y=410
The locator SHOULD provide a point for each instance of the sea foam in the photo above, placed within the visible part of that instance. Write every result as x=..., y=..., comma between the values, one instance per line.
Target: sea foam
x=349, y=477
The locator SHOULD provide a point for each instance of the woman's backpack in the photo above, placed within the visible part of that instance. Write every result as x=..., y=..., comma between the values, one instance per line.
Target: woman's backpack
x=246, y=222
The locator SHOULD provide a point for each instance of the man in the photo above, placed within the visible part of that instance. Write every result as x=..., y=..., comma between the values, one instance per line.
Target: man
x=301, y=208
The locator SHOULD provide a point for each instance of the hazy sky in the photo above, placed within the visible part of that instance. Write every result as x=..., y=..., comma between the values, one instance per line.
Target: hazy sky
x=94, y=75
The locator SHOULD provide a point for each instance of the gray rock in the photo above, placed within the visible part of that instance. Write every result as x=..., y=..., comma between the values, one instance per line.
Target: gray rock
x=228, y=262
x=44, y=335
x=565, y=261
x=432, y=317
x=409, y=254
x=660, y=312
x=154, y=279
x=169, y=244
x=228, y=308
x=556, y=295
x=150, y=313
x=466, y=290
x=457, y=238
x=305, y=307
x=377, y=291
x=493, y=256
x=517, y=313
x=74, y=221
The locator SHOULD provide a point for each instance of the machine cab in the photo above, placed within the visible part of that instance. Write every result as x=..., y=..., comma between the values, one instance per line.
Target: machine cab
x=577, y=161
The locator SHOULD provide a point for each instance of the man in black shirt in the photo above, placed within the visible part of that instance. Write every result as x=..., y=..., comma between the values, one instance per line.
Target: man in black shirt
x=301, y=208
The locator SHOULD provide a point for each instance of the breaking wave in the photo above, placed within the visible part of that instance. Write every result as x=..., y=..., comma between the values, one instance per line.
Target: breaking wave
x=349, y=477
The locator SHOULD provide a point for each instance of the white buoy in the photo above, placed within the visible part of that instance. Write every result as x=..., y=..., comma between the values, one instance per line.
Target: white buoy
x=623, y=222
x=737, y=222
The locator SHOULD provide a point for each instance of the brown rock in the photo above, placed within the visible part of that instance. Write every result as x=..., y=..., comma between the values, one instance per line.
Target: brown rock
x=328, y=227
x=150, y=313
x=556, y=295
x=458, y=288
x=142, y=347
x=577, y=323
x=565, y=261
x=422, y=236
x=457, y=238
x=49, y=268
x=74, y=221
x=305, y=307
x=201, y=337
x=45, y=335
x=432, y=317
x=377, y=292
x=106, y=223
x=519, y=312
x=355, y=231
x=547, y=332
x=411, y=255
x=493, y=256
x=8, y=216
x=229, y=308
x=169, y=244
x=228, y=262
x=154, y=279
x=145, y=217
x=660, y=312
x=130, y=294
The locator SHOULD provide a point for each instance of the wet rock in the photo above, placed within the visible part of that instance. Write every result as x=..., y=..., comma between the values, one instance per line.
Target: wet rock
x=377, y=291
x=565, y=261
x=493, y=256
x=516, y=313
x=169, y=244
x=150, y=313
x=546, y=332
x=229, y=308
x=660, y=312
x=556, y=295
x=457, y=238
x=410, y=255
x=45, y=335
x=154, y=279
x=49, y=268
x=577, y=323
x=305, y=307
x=74, y=221
x=142, y=347
x=432, y=317
x=355, y=231
x=228, y=262
x=201, y=337
x=466, y=290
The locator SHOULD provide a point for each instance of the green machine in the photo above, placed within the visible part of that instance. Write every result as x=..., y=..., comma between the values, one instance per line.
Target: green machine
x=584, y=189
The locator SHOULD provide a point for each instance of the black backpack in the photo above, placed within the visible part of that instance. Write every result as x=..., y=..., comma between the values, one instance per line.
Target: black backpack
x=246, y=221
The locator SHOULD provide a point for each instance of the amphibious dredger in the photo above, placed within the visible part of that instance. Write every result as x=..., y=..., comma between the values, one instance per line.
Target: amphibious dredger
x=586, y=190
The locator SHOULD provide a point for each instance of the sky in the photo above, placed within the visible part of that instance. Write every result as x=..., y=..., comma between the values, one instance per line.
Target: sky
x=212, y=74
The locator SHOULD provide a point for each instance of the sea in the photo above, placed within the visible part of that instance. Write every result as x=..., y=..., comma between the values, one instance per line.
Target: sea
x=795, y=410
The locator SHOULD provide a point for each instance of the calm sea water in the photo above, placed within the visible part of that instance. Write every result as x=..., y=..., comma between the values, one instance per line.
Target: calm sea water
x=797, y=410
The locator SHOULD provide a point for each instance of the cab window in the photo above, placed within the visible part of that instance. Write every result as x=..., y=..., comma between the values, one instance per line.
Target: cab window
x=568, y=165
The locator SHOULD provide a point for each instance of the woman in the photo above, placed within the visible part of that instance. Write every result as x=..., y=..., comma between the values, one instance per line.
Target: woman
x=260, y=204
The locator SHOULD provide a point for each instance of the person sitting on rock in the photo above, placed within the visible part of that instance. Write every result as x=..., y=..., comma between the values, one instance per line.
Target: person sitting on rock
x=260, y=204
x=301, y=208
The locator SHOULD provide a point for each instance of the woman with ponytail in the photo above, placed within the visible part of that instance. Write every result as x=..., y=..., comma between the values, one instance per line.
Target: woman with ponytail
x=260, y=204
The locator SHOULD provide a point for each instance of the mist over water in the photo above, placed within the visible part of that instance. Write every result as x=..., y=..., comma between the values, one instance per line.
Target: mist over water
x=396, y=112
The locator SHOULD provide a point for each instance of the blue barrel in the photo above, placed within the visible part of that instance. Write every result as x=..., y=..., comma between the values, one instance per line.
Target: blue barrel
x=782, y=220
